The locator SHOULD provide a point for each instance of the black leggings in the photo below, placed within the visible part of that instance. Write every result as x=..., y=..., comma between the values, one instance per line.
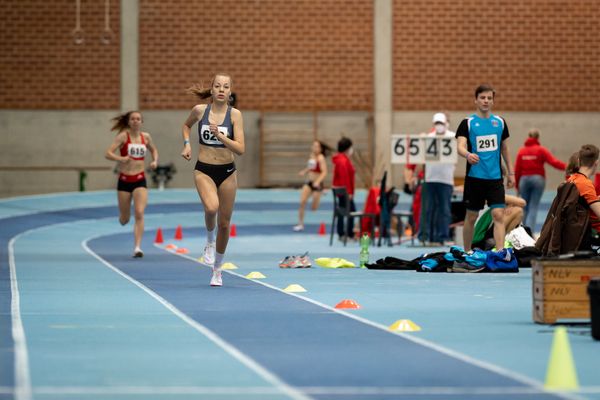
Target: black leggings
x=218, y=173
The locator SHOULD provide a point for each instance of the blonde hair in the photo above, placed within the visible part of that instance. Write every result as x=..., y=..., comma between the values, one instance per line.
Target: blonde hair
x=121, y=122
x=198, y=90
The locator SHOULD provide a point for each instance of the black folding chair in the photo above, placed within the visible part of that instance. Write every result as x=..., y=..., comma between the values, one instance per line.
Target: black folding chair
x=341, y=209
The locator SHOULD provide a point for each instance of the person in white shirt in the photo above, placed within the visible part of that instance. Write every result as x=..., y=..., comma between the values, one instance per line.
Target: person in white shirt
x=436, y=214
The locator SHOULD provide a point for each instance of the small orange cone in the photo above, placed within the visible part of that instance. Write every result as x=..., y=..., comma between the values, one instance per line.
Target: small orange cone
x=322, y=229
x=233, y=231
x=408, y=231
x=178, y=233
x=170, y=247
x=182, y=250
x=347, y=303
x=159, y=236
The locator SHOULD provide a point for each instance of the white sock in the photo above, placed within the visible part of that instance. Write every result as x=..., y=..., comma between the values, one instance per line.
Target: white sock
x=218, y=260
x=210, y=236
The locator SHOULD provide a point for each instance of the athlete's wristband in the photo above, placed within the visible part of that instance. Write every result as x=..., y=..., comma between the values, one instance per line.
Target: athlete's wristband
x=467, y=155
x=186, y=141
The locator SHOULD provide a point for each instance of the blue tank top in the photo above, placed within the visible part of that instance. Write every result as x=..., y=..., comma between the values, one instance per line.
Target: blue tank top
x=206, y=138
x=484, y=138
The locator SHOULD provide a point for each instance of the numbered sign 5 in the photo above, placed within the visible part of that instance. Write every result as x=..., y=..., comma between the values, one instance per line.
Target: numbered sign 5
x=423, y=149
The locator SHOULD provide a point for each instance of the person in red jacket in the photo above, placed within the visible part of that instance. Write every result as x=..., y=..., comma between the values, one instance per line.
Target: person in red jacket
x=530, y=176
x=343, y=176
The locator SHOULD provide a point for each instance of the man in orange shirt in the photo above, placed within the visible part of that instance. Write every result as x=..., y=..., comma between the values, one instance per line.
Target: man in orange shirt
x=588, y=164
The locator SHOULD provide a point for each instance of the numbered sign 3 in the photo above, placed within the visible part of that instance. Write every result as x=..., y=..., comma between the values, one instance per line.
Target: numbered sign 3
x=407, y=149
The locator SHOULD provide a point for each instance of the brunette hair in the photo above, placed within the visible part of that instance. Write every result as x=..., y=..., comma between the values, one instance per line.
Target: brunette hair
x=344, y=144
x=325, y=149
x=198, y=90
x=121, y=122
x=534, y=133
x=573, y=164
x=588, y=155
x=484, y=88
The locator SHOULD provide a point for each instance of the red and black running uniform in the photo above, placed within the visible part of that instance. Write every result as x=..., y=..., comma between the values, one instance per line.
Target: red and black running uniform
x=137, y=151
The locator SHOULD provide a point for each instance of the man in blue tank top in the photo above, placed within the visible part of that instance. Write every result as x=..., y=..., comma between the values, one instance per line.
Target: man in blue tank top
x=482, y=140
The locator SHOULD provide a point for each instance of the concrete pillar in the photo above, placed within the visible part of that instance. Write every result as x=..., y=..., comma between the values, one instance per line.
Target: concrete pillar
x=130, y=78
x=382, y=63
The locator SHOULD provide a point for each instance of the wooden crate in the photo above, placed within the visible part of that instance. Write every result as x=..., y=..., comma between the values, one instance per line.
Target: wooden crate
x=560, y=289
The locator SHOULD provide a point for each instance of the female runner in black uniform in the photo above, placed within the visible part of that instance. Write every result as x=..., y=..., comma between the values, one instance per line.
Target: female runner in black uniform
x=221, y=135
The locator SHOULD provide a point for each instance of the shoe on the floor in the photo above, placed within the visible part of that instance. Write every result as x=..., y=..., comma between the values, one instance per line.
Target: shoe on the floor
x=298, y=228
x=303, y=261
x=138, y=253
x=217, y=278
x=208, y=257
x=286, y=262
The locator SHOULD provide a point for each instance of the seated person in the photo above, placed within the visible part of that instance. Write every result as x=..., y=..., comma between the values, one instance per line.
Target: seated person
x=484, y=226
x=582, y=178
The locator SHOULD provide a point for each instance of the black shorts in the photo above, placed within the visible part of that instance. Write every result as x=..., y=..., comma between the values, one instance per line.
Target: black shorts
x=479, y=191
x=124, y=186
x=314, y=188
x=218, y=173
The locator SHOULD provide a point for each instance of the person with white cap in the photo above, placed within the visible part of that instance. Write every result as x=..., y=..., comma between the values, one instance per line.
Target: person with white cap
x=436, y=214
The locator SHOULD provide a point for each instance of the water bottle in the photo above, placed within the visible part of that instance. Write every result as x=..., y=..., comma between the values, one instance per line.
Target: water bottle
x=364, y=250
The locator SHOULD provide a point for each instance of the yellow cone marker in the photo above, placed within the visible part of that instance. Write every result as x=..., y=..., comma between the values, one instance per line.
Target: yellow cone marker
x=294, y=288
x=561, y=373
x=255, y=275
x=404, y=325
x=229, y=266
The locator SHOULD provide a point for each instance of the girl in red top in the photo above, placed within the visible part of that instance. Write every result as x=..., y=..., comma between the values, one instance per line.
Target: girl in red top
x=315, y=172
x=343, y=176
x=530, y=177
x=132, y=144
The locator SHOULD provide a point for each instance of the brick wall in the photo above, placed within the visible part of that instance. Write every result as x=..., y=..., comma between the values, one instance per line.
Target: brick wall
x=302, y=55
x=284, y=55
x=541, y=55
x=42, y=67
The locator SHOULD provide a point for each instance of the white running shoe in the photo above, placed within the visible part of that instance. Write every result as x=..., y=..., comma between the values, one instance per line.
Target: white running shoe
x=209, y=253
x=138, y=253
x=298, y=228
x=217, y=278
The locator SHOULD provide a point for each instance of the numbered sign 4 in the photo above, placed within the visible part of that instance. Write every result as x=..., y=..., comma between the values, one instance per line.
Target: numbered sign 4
x=421, y=149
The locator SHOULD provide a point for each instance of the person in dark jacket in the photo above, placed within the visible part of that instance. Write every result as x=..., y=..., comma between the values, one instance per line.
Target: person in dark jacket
x=343, y=176
x=530, y=177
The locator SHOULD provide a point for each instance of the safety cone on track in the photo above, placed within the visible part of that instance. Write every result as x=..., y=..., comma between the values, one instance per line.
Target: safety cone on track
x=561, y=373
x=233, y=231
x=159, y=236
x=348, y=303
x=178, y=233
x=322, y=229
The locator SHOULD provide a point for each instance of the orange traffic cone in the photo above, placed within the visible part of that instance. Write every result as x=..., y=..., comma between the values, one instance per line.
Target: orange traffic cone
x=182, y=250
x=347, y=303
x=159, y=236
x=178, y=233
x=322, y=229
x=233, y=231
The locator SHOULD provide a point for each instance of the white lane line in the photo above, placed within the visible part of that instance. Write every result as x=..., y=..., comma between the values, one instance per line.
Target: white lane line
x=238, y=355
x=269, y=390
x=22, y=389
x=538, y=386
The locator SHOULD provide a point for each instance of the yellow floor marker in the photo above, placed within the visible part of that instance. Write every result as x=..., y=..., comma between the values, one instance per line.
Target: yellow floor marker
x=404, y=325
x=229, y=266
x=294, y=288
x=561, y=373
x=255, y=275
